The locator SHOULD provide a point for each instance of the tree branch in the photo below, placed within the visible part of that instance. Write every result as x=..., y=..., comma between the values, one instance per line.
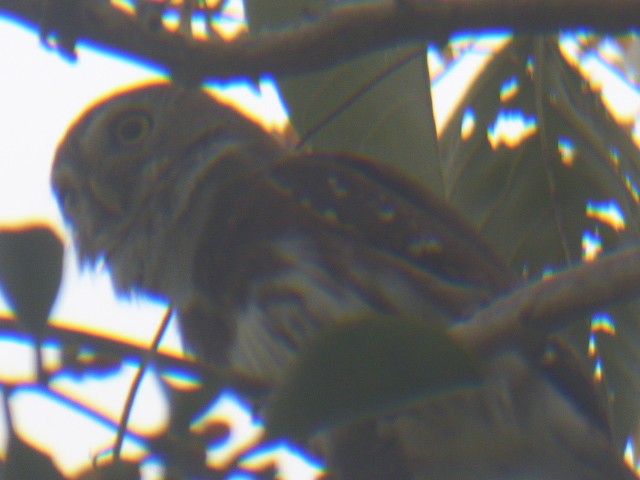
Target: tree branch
x=552, y=303
x=213, y=374
x=346, y=33
x=543, y=305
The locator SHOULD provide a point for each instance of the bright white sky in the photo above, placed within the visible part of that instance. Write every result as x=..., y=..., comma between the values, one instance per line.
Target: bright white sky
x=40, y=95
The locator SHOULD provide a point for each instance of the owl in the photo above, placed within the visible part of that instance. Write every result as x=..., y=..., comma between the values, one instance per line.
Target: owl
x=261, y=248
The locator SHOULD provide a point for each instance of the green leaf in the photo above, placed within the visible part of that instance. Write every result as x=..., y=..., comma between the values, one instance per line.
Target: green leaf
x=530, y=199
x=365, y=367
x=527, y=199
x=25, y=462
x=30, y=273
x=378, y=105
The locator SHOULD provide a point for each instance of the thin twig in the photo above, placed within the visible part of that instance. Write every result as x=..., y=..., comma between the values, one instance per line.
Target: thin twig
x=135, y=385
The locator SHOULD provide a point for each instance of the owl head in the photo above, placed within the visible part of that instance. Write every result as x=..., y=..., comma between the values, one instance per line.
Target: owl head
x=128, y=171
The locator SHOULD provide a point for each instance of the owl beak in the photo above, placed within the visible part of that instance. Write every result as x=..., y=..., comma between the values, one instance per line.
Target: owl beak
x=107, y=198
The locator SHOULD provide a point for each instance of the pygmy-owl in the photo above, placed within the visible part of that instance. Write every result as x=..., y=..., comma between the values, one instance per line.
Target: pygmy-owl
x=260, y=248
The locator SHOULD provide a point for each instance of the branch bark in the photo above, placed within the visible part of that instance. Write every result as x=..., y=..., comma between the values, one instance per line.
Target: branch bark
x=549, y=304
x=346, y=33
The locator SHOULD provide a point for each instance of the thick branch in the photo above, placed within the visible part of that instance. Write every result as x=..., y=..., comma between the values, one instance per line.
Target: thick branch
x=345, y=34
x=550, y=304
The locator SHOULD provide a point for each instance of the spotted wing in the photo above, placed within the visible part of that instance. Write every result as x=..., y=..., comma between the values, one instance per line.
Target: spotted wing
x=315, y=238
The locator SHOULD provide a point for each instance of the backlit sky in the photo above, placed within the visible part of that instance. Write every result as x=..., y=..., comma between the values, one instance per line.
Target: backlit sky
x=40, y=95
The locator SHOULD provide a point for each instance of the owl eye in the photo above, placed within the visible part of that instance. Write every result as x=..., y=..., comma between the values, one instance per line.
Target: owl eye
x=130, y=128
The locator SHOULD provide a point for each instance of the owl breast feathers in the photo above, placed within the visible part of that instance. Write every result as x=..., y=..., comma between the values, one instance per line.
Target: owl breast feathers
x=261, y=248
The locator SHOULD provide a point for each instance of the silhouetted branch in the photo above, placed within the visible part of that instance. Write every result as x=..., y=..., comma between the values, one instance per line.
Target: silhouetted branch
x=121, y=349
x=346, y=33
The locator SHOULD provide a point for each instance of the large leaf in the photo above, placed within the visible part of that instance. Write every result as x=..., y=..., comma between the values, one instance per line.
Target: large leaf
x=527, y=201
x=378, y=105
x=365, y=367
x=30, y=273
x=538, y=198
x=25, y=462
